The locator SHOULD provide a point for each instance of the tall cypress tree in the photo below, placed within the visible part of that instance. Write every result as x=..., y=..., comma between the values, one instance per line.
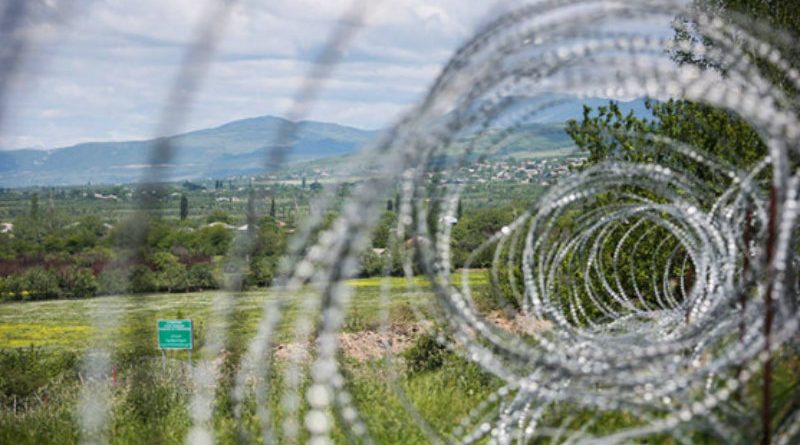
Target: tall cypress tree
x=35, y=206
x=184, y=207
x=251, y=211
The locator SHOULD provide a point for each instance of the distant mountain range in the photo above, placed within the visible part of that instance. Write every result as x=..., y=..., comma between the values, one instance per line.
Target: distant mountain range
x=237, y=148
x=564, y=108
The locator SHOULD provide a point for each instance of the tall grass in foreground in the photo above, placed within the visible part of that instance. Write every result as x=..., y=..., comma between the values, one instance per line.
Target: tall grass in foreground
x=149, y=404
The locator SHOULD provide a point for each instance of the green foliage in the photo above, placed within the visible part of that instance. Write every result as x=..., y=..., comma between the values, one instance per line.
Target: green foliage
x=156, y=246
x=714, y=133
x=219, y=215
x=131, y=232
x=778, y=15
x=34, y=206
x=372, y=264
x=169, y=274
x=609, y=135
x=82, y=235
x=25, y=372
x=77, y=282
x=473, y=229
x=272, y=207
x=213, y=240
x=380, y=235
x=113, y=281
x=37, y=283
x=270, y=238
x=203, y=276
x=142, y=279
x=251, y=210
x=184, y=207
x=426, y=354
x=262, y=271
x=268, y=246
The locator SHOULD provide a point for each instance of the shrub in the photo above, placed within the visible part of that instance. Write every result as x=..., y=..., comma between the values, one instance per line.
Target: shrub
x=202, y=276
x=11, y=287
x=142, y=279
x=218, y=215
x=426, y=354
x=39, y=284
x=170, y=274
x=262, y=270
x=26, y=371
x=77, y=283
x=371, y=264
x=113, y=281
x=213, y=240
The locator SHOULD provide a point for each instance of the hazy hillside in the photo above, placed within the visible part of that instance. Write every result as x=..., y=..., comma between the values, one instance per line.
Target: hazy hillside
x=562, y=108
x=238, y=147
x=241, y=148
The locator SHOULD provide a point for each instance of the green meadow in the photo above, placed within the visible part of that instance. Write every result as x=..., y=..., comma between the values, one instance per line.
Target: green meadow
x=67, y=324
x=417, y=395
x=150, y=404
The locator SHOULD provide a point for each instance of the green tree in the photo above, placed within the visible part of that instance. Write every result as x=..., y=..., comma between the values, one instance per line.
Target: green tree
x=473, y=229
x=40, y=284
x=78, y=282
x=382, y=231
x=184, y=207
x=218, y=215
x=34, y=211
x=251, y=211
x=213, y=240
x=608, y=135
x=718, y=134
x=112, y=281
x=170, y=275
x=203, y=276
x=270, y=239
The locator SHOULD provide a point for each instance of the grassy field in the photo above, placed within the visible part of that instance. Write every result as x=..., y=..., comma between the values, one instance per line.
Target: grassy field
x=42, y=345
x=66, y=324
x=151, y=406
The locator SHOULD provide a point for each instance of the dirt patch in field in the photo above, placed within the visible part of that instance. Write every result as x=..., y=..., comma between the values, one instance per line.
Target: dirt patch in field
x=374, y=344
x=520, y=324
x=293, y=351
x=368, y=345
x=362, y=345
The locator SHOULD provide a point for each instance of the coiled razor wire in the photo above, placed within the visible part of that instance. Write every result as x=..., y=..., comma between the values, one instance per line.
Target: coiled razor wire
x=671, y=350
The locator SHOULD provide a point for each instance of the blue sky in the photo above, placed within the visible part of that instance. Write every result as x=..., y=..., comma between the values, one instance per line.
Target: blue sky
x=104, y=73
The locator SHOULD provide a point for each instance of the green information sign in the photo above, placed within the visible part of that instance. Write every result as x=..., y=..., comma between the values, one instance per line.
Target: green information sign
x=175, y=334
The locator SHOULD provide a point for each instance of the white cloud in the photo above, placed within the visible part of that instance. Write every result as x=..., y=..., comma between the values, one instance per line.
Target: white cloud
x=106, y=73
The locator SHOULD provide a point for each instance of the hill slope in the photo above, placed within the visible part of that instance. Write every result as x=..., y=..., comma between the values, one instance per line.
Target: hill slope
x=236, y=148
x=241, y=148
